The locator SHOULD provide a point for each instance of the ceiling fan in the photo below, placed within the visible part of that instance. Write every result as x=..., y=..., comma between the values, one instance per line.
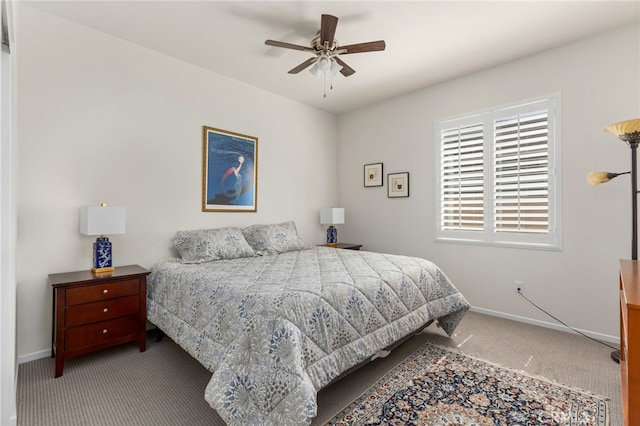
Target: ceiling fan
x=326, y=50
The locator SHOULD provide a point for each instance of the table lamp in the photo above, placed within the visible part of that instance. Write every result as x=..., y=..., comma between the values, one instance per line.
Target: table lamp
x=102, y=220
x=332, y=216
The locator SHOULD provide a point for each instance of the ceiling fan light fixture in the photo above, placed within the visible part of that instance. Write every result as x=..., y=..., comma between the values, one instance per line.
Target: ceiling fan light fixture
x=315, y=70
x=324, y=63
x=326, y=49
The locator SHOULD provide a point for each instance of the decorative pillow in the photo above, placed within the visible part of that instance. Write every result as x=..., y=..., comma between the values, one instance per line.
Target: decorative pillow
x=205, y=245
x=273, y=239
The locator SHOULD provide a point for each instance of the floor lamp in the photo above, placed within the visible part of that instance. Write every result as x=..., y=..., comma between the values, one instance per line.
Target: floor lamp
x=629, y=132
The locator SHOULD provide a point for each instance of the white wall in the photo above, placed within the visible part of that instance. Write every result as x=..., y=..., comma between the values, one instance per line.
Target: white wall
x=8, y=353
x=103, y=120
x=599, y=83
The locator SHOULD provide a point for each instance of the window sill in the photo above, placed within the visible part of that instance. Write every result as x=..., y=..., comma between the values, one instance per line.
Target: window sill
x=501, y=244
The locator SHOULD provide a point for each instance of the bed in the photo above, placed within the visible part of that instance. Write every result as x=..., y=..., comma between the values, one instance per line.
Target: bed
x=275, y=320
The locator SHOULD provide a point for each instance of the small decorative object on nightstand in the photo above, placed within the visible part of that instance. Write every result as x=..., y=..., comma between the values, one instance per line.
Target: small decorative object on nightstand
x=93, y=312
x=332, y=216
x=102, y=220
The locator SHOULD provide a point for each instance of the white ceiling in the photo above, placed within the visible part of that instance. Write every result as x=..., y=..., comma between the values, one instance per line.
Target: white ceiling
x=427, y=41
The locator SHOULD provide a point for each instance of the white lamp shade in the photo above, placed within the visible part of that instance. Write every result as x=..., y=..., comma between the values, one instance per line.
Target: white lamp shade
x=314, y=70
x=332, y=216
x=102, y=220
x=324, y=63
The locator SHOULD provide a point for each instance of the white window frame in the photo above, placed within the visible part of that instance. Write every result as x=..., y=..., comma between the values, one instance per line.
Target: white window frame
x=487, y=235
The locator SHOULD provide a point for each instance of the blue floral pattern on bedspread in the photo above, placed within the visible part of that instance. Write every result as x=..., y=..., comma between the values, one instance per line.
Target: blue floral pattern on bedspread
x=275, y=329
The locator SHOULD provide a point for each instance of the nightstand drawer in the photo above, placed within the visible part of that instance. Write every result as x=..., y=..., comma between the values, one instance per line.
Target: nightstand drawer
x=96, y=292
x=100, y=332
x=101, y=311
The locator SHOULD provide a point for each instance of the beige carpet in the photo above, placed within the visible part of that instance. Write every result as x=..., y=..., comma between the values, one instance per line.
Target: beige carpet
x=165, y=386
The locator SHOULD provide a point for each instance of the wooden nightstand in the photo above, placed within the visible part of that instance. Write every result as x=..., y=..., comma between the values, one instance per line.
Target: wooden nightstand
x=94, y=312
x=347, y=246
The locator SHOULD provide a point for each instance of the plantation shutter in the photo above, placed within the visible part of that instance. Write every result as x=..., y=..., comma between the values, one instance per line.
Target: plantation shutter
x=462, y=178
x=521, y=173
x=497, y=175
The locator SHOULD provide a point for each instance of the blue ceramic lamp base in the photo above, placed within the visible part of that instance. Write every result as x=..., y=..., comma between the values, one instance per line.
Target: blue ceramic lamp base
x=102, y=256
x=332, y=236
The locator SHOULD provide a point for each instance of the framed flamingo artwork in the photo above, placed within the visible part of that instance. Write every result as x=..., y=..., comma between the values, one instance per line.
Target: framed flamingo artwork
x=229, y=171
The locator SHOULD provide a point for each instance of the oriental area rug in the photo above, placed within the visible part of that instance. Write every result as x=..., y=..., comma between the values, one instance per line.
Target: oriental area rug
x=436, y=386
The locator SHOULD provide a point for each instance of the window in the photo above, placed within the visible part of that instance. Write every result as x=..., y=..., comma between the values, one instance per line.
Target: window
x=497, y=175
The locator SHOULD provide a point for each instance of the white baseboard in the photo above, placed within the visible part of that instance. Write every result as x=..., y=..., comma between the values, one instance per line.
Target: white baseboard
x=34, y=355
x=545, y=324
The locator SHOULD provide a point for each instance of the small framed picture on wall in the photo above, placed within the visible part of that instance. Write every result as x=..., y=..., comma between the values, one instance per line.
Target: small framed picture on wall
x=398, y=185
x=373, y=174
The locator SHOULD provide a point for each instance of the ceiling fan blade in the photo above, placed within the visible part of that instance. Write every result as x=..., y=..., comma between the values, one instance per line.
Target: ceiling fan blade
x=371, y=46
x=288, y=45
x=328, y=27
x=346, y=69
x=303, y=65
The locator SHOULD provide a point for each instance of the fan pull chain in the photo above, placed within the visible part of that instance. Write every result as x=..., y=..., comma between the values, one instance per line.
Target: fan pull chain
x=324, y=84
x=324, y=74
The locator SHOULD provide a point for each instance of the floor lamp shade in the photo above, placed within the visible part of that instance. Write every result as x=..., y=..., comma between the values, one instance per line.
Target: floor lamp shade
x=102, y=221
x=627, y=131
x=332, y=216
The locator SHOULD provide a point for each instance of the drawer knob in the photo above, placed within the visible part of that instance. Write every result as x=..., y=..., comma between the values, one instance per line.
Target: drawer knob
x=105, y=310
x=104, y=331
x=105, y=291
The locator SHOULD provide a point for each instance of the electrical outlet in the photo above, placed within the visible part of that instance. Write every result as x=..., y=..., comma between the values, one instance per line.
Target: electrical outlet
x=519, y=286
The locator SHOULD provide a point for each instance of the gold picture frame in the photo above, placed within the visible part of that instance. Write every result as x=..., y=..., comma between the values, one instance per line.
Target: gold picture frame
x=229, y=171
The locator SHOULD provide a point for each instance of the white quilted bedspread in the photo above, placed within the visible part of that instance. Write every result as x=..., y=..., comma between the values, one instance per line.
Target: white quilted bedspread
x=275, y=329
